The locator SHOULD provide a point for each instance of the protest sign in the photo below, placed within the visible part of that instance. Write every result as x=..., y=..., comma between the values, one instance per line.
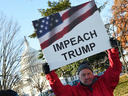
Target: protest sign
x=71, y=35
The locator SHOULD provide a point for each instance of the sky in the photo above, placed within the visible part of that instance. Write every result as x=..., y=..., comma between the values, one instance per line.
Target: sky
x=25, y=11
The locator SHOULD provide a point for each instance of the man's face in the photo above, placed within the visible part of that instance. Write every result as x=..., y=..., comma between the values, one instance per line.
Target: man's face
x=86, y=76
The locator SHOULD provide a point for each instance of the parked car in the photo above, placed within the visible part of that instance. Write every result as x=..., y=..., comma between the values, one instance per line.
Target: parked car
x=46, y=93
x=101, y=73
x=72, y=83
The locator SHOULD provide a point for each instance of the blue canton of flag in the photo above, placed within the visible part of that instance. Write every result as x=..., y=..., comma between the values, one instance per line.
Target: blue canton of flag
x=51, y=28
x=46, y=24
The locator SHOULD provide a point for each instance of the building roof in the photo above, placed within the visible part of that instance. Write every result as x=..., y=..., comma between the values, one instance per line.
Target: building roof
x=29, y=57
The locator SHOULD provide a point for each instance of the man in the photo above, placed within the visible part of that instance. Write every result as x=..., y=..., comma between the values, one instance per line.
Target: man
x=89, y=84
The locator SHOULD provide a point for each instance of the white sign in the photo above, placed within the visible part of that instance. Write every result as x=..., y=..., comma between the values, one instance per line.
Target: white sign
x=86, y=39
x=85, y=36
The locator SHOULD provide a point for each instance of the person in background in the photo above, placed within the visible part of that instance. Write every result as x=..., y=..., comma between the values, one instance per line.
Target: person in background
x=12, y=92
x=8, y=92
x=89, y=84
x=4, y=93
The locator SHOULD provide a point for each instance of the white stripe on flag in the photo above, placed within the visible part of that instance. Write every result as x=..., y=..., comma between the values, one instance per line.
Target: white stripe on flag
x=66, y=22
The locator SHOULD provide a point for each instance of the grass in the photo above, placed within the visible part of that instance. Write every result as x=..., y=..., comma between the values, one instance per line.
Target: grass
x=122, y=87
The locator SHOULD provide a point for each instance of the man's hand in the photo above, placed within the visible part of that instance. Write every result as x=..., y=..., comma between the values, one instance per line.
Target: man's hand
x=45, y=68
x=113, y=42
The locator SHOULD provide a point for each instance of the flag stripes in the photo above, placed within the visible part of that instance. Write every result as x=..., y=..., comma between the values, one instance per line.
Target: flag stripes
x=70, y=18
x=73, y=10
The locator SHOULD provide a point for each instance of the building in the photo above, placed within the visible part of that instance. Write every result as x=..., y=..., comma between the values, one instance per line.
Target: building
x=31, y=68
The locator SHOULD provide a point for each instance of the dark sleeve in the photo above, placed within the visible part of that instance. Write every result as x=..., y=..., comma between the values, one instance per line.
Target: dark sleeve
x=111, y=76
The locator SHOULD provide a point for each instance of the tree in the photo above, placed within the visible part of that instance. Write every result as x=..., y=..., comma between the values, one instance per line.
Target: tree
x=38, y=83
x=120, y=21
x=10, y=52
x=68, y=70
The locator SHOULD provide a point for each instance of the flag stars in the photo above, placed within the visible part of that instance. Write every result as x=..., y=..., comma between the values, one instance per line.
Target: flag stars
x=46, y=22
x=56, y=20
x=40, y=31
x=47, y=17
x=41, y=26
x=43, y=21
x=46, y=28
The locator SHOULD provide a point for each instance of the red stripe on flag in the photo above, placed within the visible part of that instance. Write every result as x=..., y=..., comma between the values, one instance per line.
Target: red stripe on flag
x=68, y=28
x=73, y=10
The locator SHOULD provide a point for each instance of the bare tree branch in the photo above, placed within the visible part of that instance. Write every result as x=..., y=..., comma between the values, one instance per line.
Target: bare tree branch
x=10, y=52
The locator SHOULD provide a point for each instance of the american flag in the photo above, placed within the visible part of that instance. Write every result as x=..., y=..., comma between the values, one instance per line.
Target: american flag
x=53, y=27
